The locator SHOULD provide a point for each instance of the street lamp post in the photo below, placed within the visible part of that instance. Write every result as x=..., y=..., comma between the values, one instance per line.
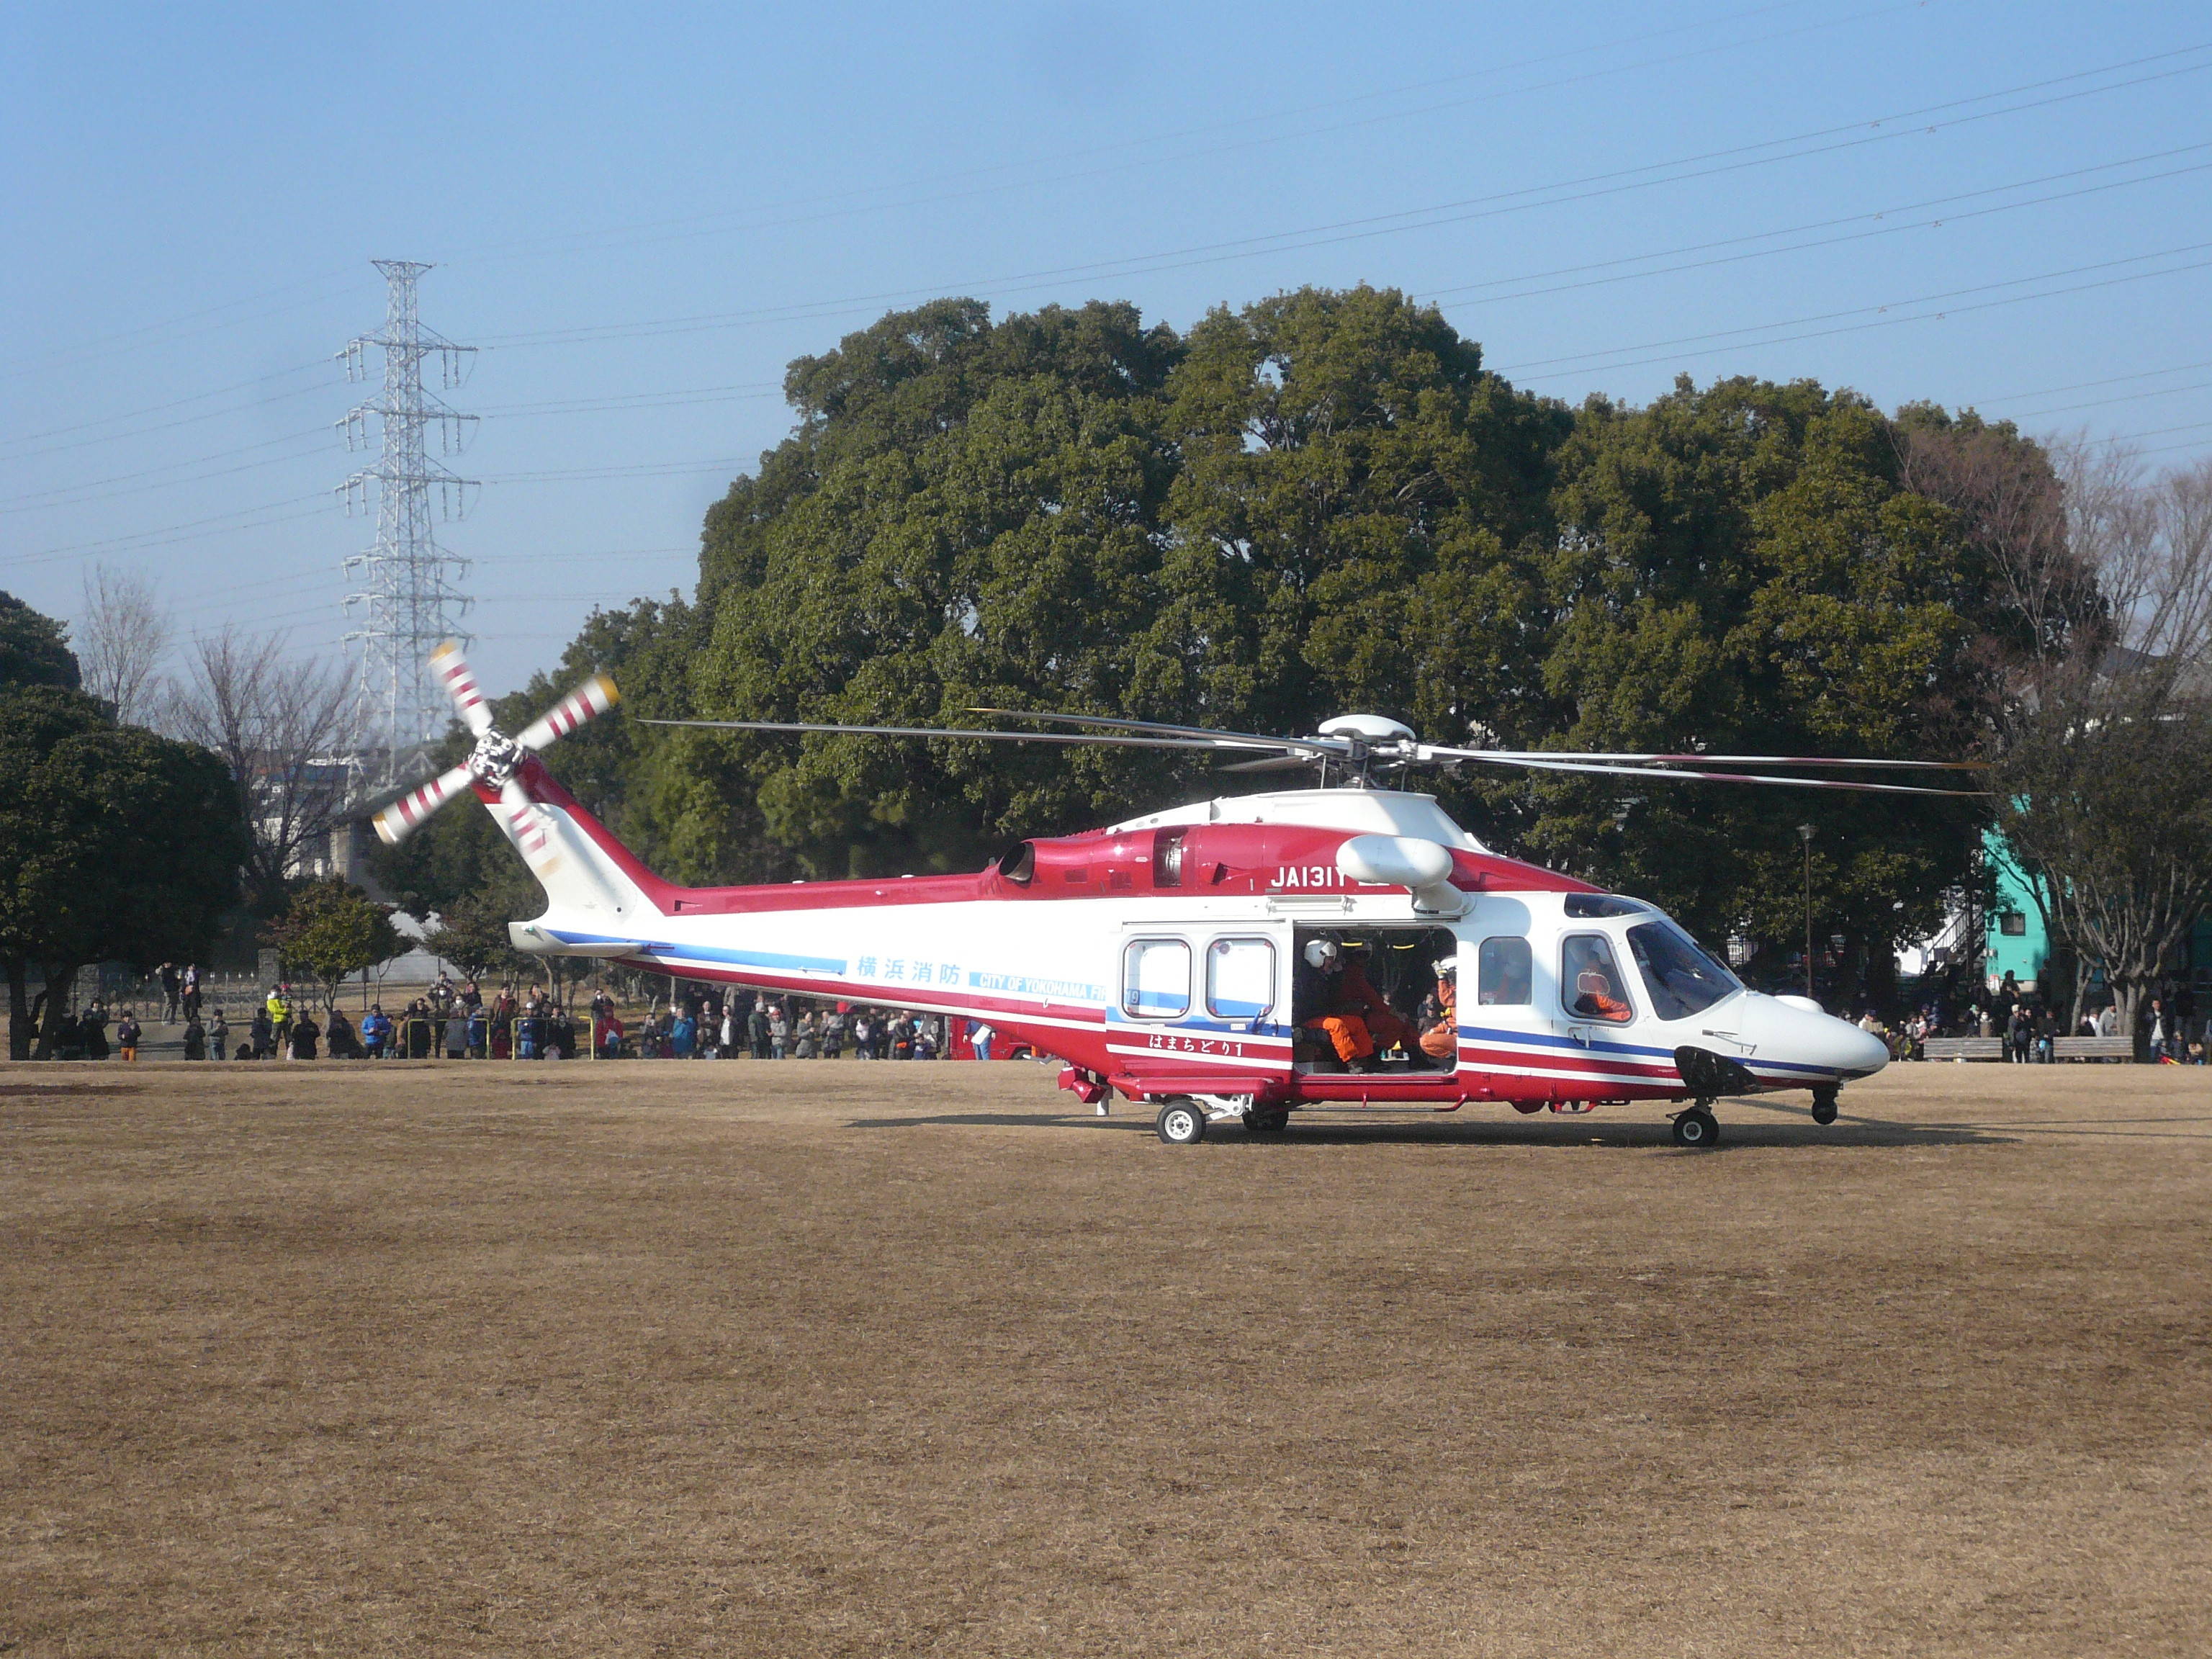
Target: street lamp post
x=1805, y=835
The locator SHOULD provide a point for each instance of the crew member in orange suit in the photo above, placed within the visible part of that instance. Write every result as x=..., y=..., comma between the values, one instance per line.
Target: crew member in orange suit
x=1388, y=1027
x=1321, y=984
x=1441, y=1040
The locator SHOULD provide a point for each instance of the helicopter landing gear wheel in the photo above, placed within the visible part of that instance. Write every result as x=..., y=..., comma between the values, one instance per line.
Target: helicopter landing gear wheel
x=1697, y=1127
x=1824, y=1104
x=1181, y=1123
x=1267, y=1120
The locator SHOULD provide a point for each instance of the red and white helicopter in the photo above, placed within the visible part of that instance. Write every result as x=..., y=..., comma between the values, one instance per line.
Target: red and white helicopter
x=1191, y=959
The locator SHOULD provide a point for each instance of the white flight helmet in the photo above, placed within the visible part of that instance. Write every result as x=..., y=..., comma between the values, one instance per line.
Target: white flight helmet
x=1319, y=952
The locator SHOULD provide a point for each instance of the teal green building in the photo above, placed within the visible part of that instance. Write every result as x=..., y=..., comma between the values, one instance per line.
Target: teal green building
x=2016, y=942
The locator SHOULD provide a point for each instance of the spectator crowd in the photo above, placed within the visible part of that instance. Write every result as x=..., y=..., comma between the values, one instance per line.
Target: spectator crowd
x=455, y=1020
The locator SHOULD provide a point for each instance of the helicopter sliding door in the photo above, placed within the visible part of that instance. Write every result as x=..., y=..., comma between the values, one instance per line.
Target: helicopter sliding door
x=1549, y=1016
x=1513, y=1044
x=1206, y=1002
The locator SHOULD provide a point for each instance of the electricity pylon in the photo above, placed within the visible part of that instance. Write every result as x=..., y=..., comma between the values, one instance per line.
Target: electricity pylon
x=406, y=583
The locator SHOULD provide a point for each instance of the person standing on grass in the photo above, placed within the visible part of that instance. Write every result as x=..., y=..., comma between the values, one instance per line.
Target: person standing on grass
x=191, y=990
x=94, y=1025
x=195, y=1038
x=304, y=1033
x=218, y=1033
x=779, y=1031
x=342, y=1040
x=127, y=1034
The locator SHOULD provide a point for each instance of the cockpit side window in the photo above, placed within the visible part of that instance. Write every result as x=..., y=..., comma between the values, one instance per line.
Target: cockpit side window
x=1590, y=984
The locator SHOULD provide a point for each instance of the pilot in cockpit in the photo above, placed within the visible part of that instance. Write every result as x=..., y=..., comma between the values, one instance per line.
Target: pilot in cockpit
x=1590, y=971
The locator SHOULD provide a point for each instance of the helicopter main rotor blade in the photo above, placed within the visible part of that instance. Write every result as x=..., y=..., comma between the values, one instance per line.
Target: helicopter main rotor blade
x=1716, y=759
x=1211, y=744
x=1277, y=763
x=1312, y=745
x=1492, y=758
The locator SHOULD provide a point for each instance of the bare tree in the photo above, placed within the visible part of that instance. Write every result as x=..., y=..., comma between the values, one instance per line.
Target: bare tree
x=121, y=639
x=283, y=726
x=2103, y=783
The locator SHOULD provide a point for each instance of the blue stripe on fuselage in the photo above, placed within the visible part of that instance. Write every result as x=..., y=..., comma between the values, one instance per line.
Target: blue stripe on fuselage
x=710, y=953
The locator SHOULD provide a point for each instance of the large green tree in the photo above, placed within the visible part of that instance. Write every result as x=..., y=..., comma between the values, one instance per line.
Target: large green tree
x=115, y=844
x=34, y=648
x=1739, y=568
x=331, y=929
x=978, y=525
x=1355, y=520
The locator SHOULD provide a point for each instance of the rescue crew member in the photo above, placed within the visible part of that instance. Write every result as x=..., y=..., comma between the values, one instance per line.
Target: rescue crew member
x=1385, y=1026
x=1595, y=995
x=1441, y=1040
x=1320, y=984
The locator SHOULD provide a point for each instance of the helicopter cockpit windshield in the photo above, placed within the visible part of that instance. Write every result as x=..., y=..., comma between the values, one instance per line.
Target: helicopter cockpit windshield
x=1682, y=978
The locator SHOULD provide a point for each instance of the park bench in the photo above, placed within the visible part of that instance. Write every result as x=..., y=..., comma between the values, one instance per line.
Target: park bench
x=2093, y=1047
x=1963, y=1047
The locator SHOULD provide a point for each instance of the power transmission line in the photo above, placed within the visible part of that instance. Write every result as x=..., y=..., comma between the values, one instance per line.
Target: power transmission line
x=1680, y=170
x=1733, y=334
x=696, y=226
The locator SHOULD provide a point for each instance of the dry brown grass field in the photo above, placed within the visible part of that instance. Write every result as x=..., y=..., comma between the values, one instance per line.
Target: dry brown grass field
x=879, y=1360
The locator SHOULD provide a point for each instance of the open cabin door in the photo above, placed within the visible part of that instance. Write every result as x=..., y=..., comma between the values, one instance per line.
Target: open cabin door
x=1387, y=979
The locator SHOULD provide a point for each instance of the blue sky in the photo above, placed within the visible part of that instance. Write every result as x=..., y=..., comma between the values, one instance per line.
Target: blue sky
x=642, y=218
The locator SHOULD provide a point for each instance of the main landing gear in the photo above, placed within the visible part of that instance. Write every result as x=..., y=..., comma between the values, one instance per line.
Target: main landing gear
x=1181, y=1123
x=1697, y=1127
x=1824, y=1103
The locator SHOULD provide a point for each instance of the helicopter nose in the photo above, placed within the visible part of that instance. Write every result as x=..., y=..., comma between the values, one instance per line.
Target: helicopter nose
x=1797, y=1034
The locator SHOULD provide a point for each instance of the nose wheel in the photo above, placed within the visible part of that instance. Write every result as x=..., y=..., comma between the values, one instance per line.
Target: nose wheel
x=1824, y=1104
x=1697, y=1127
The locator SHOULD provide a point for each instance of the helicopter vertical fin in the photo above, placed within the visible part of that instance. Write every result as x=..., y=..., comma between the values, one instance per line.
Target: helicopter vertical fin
x=594, y=884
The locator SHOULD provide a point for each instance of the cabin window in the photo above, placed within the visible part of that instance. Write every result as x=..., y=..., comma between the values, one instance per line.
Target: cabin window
x=1590, y=984
x=1156, y=978
x=1502, y=972
x=1240, y=978
x=2013, y=924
